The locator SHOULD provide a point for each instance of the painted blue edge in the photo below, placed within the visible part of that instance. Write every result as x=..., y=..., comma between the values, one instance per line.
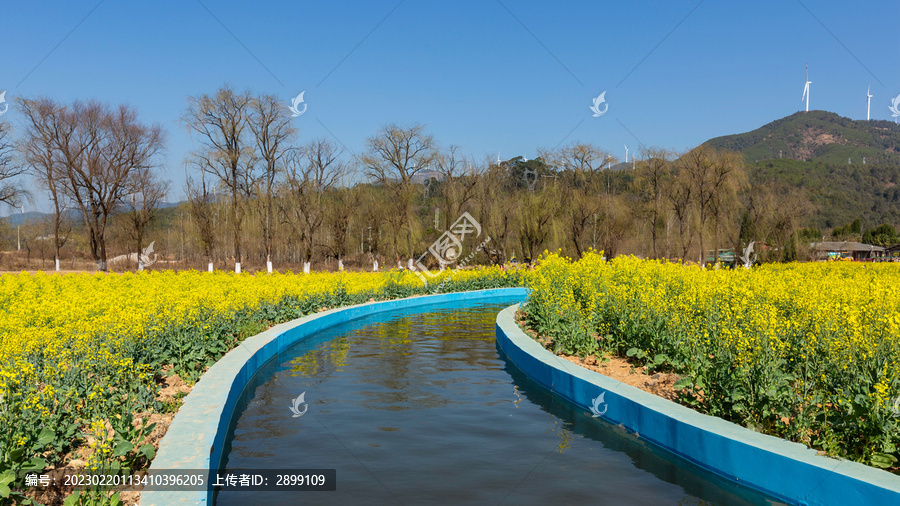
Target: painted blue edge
x=196, y=437
x=790, y=471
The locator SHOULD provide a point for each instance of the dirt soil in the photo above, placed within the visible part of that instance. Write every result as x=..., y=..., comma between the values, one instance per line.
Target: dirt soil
x=619, y=369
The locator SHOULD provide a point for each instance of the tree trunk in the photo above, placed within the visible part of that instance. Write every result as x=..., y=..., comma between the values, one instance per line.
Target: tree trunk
x=237, y=232
x=140, y=239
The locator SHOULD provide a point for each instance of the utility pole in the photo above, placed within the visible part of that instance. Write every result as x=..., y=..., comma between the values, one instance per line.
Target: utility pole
x=182, y=236
x=18, y=233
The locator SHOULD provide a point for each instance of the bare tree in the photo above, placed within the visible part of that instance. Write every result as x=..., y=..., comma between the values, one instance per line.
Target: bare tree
x=225, y=152
x=342, y=206
x=310, y=172
x=616, y=221
x=394, y=157
x=101, y=150
x=11, y=191
x=775, y=212
x=39, y=145
x=272, y=129
x=149, y=193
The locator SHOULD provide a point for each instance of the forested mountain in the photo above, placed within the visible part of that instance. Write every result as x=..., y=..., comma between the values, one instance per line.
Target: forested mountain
x=818, y=136
x=848, y=169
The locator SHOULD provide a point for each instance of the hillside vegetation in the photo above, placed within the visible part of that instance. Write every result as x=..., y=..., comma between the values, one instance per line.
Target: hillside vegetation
x=848, y=169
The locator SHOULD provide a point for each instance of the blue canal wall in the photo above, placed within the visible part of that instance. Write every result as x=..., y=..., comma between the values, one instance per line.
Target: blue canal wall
x=790, y=471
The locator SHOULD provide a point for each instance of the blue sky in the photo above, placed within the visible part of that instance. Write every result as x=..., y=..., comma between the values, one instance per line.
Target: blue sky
x=511, y=76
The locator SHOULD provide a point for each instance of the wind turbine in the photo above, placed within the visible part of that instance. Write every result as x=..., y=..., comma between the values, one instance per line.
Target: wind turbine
x=869, y=96
x=806, y=89
x=626, y=153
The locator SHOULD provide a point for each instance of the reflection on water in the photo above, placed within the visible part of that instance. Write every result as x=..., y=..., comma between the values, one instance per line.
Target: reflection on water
x=420, y=407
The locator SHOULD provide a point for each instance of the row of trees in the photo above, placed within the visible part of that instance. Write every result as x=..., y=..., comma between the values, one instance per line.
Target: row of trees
x=251, y=182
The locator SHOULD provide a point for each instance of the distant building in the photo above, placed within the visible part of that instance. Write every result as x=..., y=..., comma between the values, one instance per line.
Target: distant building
x=837, y=250
x=893, y=253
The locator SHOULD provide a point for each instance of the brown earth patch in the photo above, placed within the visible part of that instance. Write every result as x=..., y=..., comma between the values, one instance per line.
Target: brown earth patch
x=171, y=385
x=619, y=369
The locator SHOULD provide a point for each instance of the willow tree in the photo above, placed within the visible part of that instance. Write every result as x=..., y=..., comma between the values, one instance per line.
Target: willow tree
x=310, y=173
x=650, y=182
x=581, y=168
x=395, y=156
x=459, y=178
x=714, y=177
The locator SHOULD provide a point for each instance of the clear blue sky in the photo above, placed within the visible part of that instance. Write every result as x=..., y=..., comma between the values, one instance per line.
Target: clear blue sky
x=511, y=76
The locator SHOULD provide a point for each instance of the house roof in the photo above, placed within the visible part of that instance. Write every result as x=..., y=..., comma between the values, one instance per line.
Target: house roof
x=845, y=246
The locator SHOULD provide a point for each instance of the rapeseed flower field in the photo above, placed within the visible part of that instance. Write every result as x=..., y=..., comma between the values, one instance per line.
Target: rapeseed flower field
x=81, y=354
x=809, y=352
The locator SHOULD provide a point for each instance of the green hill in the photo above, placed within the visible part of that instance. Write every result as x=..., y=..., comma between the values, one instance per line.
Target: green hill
x=809, y=151
x=819, y=136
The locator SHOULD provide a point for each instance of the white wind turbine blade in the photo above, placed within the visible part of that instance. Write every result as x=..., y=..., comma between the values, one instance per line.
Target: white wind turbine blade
x=806, y=89
x=869, y=102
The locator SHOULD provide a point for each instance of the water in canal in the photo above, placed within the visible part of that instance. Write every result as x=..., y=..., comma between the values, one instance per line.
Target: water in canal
x=420, y=407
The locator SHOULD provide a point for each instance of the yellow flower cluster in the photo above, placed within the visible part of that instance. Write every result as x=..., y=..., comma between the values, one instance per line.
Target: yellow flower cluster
x=768, y=347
